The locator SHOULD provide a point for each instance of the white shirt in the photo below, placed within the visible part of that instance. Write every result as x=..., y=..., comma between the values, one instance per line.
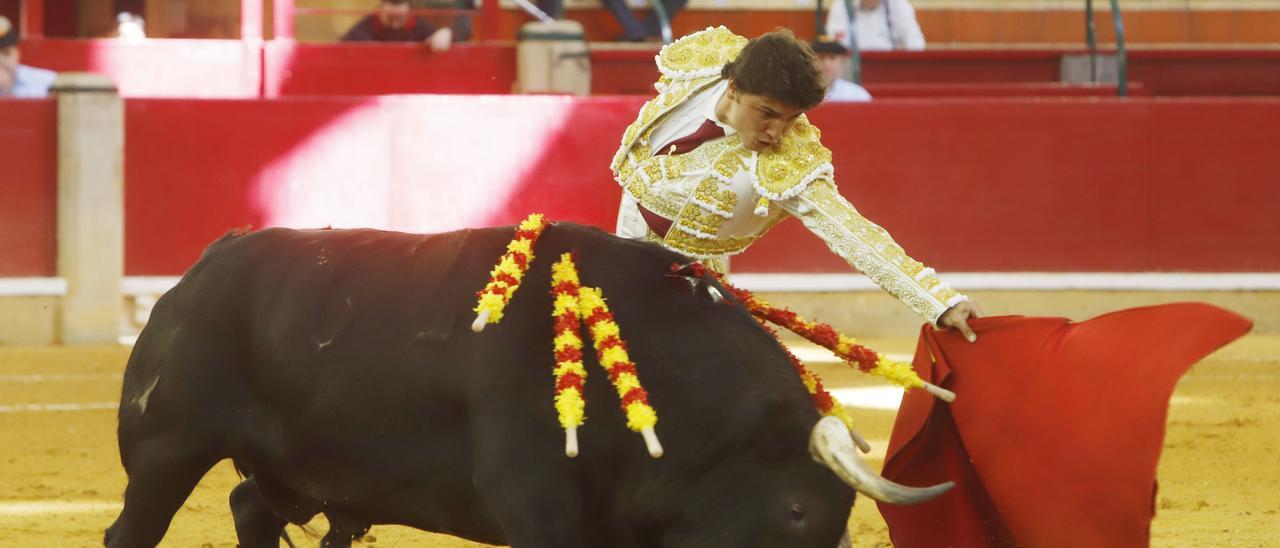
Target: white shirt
x=844, y=90
x=892, y=25
x=32, y=81
x=687, y=118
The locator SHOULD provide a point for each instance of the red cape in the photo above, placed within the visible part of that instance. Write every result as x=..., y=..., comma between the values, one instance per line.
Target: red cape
x=1056, y=430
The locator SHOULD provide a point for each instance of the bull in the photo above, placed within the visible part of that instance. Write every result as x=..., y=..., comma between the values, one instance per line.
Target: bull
x=337, y=369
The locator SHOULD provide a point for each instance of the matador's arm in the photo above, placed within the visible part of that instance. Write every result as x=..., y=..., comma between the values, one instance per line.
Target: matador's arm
x=869, y=248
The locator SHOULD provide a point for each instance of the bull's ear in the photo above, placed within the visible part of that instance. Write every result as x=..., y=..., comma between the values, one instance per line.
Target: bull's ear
x=698, y=279
x=700, y=287
x=684, y=282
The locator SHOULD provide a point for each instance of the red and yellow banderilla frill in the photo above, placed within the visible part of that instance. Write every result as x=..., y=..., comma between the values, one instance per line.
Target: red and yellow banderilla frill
x=612, y=353
x=865, y=359
x=569, y=372
x=822, y=399
x=505, y=278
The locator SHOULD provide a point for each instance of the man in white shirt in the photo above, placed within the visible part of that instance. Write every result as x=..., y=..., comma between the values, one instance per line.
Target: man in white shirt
x=18, y=80
x=833, y=57
x=882, y=25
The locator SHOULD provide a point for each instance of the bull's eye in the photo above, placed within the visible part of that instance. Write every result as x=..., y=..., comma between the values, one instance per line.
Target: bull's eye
x=797, y=512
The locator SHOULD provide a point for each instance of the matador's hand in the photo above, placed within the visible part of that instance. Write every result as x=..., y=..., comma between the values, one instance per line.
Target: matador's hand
x=957, y=317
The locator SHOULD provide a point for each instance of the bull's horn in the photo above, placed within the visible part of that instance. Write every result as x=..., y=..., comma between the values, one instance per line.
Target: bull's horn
x=845, y=540
x=832, y=445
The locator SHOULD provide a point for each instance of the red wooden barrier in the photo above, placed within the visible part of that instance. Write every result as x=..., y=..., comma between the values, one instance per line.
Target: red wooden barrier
x=28, y=187
x=1211, y=72
x=1013, y=89
x=292, y=68
x=226, y=68
x=158, y=68
x=1055, y=185
x=970, y=185
x=408, y=163
x=1163, y=72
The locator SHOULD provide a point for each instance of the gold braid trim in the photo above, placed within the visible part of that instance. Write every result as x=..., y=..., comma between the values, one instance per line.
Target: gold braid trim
x=698, y=55
x=785, y=170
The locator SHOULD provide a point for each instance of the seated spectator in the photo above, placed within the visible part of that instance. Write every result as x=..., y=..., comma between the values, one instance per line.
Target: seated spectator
x=633, y=30
x=832, y=59
x=16, y=79
x=393, y=23
x=882, y=25
x=130, y=27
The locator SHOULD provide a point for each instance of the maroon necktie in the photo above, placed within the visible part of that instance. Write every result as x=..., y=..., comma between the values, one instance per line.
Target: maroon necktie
x=705, y=132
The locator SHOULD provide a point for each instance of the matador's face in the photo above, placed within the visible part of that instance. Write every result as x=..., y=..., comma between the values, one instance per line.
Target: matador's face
x=760, y=120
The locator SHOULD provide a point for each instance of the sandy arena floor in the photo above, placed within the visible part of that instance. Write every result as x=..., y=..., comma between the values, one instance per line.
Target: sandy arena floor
x=61, y=481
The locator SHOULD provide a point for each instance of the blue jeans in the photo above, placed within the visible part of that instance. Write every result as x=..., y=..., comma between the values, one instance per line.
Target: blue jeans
x=632, y=28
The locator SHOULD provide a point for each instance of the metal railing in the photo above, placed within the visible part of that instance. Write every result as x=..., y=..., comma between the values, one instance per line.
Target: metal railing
x=855, y=55
x=664, y=20
x=1091, y=38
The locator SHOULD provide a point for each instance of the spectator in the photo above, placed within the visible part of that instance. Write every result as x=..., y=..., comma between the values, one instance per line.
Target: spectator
x=633, y=30
x=16, y=79
x=832, y=59
x=394, y=23
x=130, y=27
x=462, y=25
x=882, y=25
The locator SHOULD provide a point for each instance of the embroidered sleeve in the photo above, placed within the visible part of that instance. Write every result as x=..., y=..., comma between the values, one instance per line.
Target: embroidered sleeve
x=869, y=248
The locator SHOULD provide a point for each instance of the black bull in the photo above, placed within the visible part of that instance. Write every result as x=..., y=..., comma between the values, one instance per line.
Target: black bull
x=338, y=371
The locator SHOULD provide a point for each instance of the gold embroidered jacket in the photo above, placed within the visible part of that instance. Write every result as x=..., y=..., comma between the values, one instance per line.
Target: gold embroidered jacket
x=722, y=196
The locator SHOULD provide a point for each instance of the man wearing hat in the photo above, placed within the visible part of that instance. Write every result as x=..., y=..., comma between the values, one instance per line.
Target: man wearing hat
x=832, y=58
x=17, y=80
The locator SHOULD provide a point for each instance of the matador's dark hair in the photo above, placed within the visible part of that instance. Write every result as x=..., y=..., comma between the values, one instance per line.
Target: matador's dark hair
x=779, y=66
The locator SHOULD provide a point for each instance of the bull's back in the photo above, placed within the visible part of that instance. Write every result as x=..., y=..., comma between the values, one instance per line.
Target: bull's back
x=329, y=314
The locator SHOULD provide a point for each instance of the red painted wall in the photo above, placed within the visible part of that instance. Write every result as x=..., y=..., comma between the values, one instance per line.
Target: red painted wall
x=28, y=187
x=965, y=185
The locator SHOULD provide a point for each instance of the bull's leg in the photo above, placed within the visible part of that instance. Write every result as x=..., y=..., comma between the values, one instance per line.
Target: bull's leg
x=536, y=501
x=256, y=524
x=161, y=477
x=342, y=531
